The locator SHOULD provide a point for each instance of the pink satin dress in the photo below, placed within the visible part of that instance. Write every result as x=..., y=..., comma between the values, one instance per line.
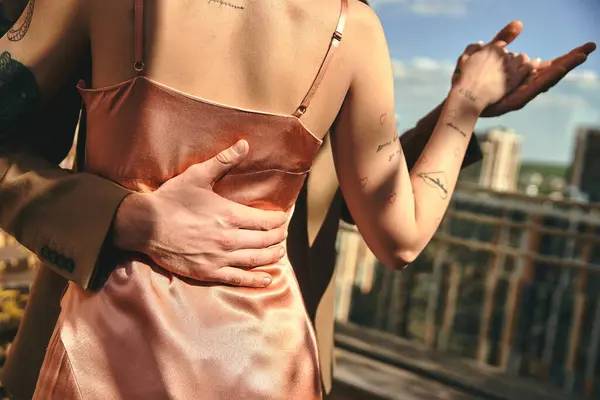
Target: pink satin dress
x=148, y=334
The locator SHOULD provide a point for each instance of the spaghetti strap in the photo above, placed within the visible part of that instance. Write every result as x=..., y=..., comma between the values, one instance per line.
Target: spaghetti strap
x=138, y=37
x=335, y=42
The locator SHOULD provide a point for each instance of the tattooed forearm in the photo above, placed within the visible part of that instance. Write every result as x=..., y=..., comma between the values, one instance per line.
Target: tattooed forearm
x=389, y=142
x=468, y=94
x=437, y=180
x=222, y=3
x=21, y=28
x=394, y=154
x=383, y=146
x=456, y=128
x=19, y=91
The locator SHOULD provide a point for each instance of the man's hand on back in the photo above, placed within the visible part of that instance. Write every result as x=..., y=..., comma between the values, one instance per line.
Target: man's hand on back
x=191, y=231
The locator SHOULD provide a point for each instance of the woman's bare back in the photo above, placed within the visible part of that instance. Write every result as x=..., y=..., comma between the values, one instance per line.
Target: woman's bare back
x=255, y=55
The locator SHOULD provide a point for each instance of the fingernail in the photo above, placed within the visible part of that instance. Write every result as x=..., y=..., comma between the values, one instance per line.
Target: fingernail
x=480, y=42
x=267, y=281
x=281, y=252
x=239, y=147
x=537, y=60
x=285, y=235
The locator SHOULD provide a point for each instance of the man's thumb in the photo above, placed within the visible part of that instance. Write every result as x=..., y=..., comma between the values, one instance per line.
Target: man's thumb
x=222, y=163
x=509, y=33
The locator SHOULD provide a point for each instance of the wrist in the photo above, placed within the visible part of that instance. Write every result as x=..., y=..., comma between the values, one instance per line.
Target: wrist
x=131, y=227
x=466, y=100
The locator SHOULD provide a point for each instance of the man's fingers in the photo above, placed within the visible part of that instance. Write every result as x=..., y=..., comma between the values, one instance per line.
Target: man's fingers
x=523, y=72
x=239, y=277
x=254, y=239
x=215, y=168
x=549, y=78
x=509, y=33
x=574, y=57
x=252, y=258
x=245, y=217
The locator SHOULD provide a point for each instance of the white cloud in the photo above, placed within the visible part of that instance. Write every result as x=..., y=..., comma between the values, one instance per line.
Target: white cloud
x=440, y=7
x=584, y=78
x=399, y=69
x=426, y=7
x=423, y=68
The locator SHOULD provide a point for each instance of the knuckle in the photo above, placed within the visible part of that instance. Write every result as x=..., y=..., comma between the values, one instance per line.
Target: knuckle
x=234, y=279
x=252, y=261
x=264, y=241
x=194, y=171
x=267, y=225
x=230, y=217
x=224, y=157
x=225, y=242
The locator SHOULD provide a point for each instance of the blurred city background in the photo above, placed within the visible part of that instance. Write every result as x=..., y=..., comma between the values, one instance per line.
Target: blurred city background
x=505, y=301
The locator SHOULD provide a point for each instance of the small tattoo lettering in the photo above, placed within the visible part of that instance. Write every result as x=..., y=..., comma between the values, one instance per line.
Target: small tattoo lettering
x=456, y=128
x=394, y=154
x=222, y=3
x=383, y=146
x=391, y=198
x=364, y=181
x=467, y=94
x=437, y=180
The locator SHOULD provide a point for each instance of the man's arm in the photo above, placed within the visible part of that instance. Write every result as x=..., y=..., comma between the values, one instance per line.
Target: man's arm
x=47, y=208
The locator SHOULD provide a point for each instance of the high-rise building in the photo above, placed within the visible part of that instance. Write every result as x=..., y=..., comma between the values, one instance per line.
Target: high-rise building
x=499, y=169
x=585, y=171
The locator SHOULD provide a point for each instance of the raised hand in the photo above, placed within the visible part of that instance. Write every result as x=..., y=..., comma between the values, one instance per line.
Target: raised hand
x=490, y=74
x=545, y=74
x=191, y=231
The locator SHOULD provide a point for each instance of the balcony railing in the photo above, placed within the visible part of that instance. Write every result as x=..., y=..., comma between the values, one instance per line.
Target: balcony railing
x=508, y=281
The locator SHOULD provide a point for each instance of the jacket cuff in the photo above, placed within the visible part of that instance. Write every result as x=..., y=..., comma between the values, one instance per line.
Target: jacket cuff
x=71, y=246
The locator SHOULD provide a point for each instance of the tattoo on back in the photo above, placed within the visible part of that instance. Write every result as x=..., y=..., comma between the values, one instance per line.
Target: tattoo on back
x=223, y=3
x=437, y=180
x=19, y=91
x=21, y=28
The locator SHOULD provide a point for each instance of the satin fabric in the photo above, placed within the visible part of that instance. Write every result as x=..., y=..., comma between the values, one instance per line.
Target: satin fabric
x=153, y=335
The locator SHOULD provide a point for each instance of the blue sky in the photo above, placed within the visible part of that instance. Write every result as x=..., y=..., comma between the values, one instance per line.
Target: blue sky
x=426, y=36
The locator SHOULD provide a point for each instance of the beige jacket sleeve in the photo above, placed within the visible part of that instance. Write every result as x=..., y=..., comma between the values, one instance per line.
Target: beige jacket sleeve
x=60, y=215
